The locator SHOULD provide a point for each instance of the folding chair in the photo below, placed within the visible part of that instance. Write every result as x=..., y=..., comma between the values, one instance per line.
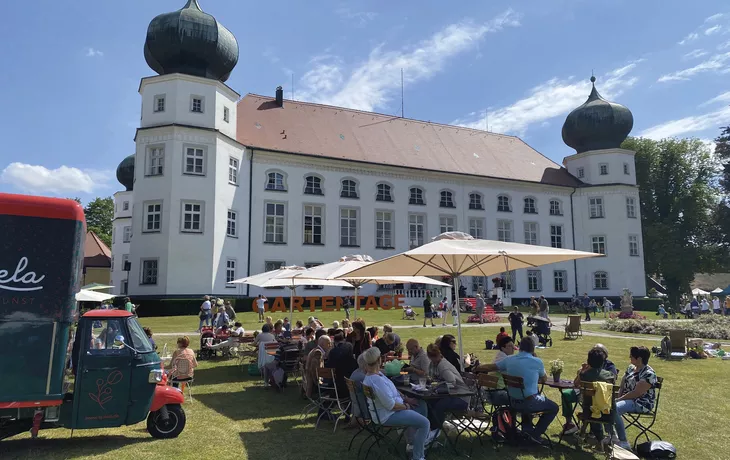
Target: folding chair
x=585, y=417
x=182, y=366
x=645, y=420
x=330, y=406
x=678, y=344
x=474, y=420
x=313, y=403
x=290, y=363
x=572, y=327
x=359, y=409
x=518, y=383
x=379, y=432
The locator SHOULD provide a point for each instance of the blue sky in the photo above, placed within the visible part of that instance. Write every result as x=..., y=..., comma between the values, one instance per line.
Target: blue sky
x=72, y=70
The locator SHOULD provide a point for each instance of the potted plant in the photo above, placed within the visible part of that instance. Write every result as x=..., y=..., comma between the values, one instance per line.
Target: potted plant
x=556, y=368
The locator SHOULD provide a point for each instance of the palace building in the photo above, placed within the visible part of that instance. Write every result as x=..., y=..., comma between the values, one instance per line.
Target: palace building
x=221, y=185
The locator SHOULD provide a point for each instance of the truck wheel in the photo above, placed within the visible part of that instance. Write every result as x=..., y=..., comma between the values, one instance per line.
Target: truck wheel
x=171, y=428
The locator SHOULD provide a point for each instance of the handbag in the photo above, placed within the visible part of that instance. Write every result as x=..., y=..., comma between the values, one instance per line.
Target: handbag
x=656, y=449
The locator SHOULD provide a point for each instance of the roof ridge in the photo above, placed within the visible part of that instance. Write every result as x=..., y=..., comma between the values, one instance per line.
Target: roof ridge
x=105, y=250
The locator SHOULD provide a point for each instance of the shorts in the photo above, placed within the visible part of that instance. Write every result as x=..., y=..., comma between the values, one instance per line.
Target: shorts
x=429, y=314
x=261, y=309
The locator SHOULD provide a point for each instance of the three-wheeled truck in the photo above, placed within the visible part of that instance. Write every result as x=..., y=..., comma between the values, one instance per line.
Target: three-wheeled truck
x=102, y=373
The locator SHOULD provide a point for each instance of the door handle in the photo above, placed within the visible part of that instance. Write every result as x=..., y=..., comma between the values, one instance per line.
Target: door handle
x=86, y=371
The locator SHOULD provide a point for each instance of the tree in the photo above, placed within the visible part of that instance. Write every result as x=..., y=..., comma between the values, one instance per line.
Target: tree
x=677, y=179
x=99, y=215
x=722, y=215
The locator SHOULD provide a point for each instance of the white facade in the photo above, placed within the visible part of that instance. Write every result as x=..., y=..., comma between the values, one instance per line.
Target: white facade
x=195, y=184
x=121, y=239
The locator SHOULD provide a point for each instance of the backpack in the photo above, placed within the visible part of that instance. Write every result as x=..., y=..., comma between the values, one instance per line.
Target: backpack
x=503, y=427
x=656, y=449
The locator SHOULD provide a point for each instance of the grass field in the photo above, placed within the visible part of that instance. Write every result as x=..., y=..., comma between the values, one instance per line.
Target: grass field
x=233, y=416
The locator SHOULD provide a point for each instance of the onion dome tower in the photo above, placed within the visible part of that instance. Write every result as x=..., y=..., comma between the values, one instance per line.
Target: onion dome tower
x=125, y=173
x=192, y=42
x=597, y=124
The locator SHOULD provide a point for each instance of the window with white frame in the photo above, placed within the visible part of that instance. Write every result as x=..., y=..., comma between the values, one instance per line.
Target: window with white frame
x=630, y=207
x=476, y=201
x=556, y=208
x=626, y=169
x=271, y=265
x=348, y=227
x=148, y=274
x=603, y=169
x=530, y=207
x=384, y=229
x=478, y=284
x=598, y=244
x=230, y=271
x=504, y=231
x=313, y=185
x=531, y=233
x=510, y=281
x=275, y=181
x=312, y=265
x=447, y=199
x=313, y=224
x=192, y=217
x=125, y=259
x=476, y=227
x=275, y=223
x=125, y=206
x=581, y=173
x=560, y=281
x=196, y=104
x=194, y=161
x=503, y=204
x=416, y=196
x=447, y=224
x=159, y=103
x=383, y=193
x=127, y=234
x=634, y=245
x=600, y=281
x=416, y=230
x=152, y=217
x=595, y=206
x=534, y=280
x=155, y=161
x=232, y=224
x=226, y=115
x=556, y=236
x=349, y=189
x=232, y=171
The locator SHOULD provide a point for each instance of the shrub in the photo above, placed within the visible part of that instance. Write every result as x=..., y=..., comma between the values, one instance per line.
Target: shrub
x=487, y=318
x=626, y=315
x=713, y=327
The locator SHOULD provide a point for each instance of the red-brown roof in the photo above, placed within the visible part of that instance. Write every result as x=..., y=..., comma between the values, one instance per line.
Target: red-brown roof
x=340, y=133
x=96, y=253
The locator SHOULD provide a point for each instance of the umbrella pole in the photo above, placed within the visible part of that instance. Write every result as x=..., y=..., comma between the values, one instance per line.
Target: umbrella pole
x=357, y=289
x=292, y=293
x=458, y=320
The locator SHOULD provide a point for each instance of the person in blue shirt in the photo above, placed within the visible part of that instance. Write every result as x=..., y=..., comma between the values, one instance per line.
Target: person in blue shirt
x=587, y=306
x=528, y=401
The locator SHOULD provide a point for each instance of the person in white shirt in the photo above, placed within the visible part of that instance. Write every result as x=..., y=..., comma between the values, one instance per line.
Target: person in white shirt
x=238, y=330
x=444, y=307
x=205, y=314
x=705, y=306
x=716, y=305
x=607, y=306
x=260, y=306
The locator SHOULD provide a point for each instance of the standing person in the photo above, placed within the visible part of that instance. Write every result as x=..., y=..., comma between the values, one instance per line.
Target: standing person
x=534, y=306
x=221, y=318
x=346, y=305
x=694, y=306
x=444, y=306
x=716, y=305
x=705, y=306
x=260, y=306
x=480, y=308
x=205, y=315
x=128, y=305
x=587, y=306
x=231, y=312
x=428, y=309
x=515, y=320
x=544, y=307
x=726, y=306
x=607, y=306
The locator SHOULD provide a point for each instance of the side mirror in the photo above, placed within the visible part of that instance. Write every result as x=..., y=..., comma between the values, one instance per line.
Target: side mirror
x=119, y=341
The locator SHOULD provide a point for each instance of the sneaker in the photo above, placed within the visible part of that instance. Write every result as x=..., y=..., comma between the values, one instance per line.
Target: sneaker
x=624, y=445
x=433, y=434
x=433, y=325
x=409, y=448
x=608, y=440
x=569, y=428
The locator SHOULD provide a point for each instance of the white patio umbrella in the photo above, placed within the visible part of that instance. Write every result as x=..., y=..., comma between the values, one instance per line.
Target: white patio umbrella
x=96, y=287
x=717, y=291
x=346, y=264
x=286, y=277
x=85, y=295
x=698, y=291
x=458, y=254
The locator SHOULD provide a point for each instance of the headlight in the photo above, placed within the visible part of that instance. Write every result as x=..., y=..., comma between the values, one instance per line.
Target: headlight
x=155, y=376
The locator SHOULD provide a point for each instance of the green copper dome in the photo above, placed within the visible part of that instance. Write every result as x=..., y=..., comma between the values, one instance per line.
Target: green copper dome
x=125, y=173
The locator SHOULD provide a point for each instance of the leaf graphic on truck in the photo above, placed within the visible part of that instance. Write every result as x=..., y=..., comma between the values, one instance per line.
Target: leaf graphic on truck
x=103, y=388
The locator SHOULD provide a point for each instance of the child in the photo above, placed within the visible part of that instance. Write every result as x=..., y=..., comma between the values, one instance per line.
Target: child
x=148, y=331
x=534, y=338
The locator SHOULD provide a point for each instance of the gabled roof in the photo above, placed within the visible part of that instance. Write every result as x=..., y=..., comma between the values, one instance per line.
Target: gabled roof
x=710, y=281
x=96, y=253
x=335, y=132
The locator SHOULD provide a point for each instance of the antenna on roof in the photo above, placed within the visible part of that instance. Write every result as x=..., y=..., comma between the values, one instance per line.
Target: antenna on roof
x=402, y=113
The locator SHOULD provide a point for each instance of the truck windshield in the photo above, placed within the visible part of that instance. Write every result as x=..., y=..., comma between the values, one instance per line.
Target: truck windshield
x=139, y=339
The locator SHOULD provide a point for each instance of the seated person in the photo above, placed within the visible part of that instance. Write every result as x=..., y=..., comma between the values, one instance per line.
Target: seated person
x=286, y=325
x=300, y=326
x=447, y=345
x=591, y=371
x=499, y=396
x=279, y=329
x=386, y=344
x=148, y=333
x=396, y=338
x=532, y=336
x=528, y=401
x=346, y=326
x=314, y=323
x=373, y=331
x=443, y=371
x=608, y=365
x=359, y=337
x=307, y=336
x=182, y=353
x=221, y=318
x=392, y=408
x=313, y=344
x=502, y=333
x=342, y=360
x=637, y=392
x=237, y=330
x=419, y=360
x=315, y=359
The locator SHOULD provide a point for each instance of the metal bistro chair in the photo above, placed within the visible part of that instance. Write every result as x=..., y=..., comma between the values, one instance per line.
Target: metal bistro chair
x=474, y=419
x=518, y=383
x=379, y=432
x=329, y=405
x=645, y=420
x=573, y=328
x=182, y=366
x=488, y=392
x=585, y=416
x=290, y=364
x=359, y=411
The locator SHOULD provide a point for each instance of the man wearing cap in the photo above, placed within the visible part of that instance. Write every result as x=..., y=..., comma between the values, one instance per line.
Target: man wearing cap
x=205, y=316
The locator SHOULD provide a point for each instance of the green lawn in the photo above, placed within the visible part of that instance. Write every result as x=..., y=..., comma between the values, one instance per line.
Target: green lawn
x=234, y=417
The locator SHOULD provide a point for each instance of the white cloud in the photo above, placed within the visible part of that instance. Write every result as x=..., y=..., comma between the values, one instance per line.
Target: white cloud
x=689, y=38
x=92, y=52
x=270, y=55
x=723, y=46
x=691, y=124
x=713, y=30
x=548, y=100
x=358, y=17
x=372, y=83
x=714, y=17
x=717, y=63
x=63, y=180
x=724, y=97
x=694, y=54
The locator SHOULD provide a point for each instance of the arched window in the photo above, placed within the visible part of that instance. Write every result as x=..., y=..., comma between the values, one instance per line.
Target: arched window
x=416, y=196
x=275, y=181
x=556, y=207
x=349, y=189
x=530, y=206
x=313, y=185
x=384, y=193
x=503, y=203
x=600, y=280
x=475, y=201
x=447, y=199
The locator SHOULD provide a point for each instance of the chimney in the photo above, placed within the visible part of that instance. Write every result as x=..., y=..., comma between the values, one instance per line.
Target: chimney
x=279, y=97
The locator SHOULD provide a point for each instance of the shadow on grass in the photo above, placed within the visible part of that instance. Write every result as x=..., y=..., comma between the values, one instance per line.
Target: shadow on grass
x=55, y=447
x=220, y=371
x=255, y=402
